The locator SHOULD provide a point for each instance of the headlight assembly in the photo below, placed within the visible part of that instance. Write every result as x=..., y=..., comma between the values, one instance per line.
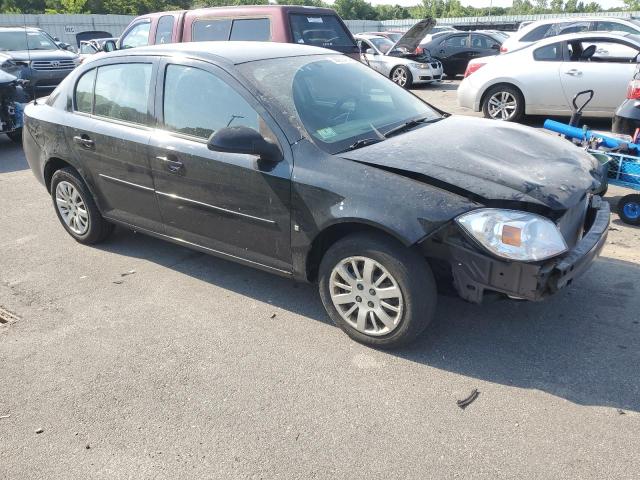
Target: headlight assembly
x=514, y=235
x=421, y=66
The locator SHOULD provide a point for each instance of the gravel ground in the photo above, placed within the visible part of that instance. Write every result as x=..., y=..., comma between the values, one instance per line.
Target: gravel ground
x=178, y=370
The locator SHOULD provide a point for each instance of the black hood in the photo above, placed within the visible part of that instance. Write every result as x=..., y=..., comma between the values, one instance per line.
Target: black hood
x=495, y=163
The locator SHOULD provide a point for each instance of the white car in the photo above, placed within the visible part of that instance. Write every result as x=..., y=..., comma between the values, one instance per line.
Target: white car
x=399, y=61
x=541, y=29
x=543, y=78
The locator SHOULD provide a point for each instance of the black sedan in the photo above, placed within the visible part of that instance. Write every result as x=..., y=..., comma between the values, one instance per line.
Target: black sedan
x=305, y=163
x=455, y=49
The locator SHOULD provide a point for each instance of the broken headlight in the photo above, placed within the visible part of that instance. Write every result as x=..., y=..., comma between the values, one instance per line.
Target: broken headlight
x=514, y=235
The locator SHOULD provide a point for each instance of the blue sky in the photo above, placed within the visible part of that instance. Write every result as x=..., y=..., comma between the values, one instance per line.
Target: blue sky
x=485, y=3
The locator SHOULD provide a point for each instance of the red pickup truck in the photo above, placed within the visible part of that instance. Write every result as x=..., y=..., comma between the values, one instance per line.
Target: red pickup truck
x=320, y=27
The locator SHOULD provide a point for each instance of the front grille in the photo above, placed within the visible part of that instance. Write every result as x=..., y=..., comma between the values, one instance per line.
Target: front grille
x=435, y=65
x=52, y=65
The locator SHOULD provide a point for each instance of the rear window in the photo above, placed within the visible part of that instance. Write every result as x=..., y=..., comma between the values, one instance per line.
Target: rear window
x=319, y=30
x=164, y=32
x=239, y=29
x=536, y=34
x=549, y=53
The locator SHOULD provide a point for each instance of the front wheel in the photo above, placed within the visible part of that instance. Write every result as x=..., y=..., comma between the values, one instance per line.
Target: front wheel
x=16, y=135
x=402, y=76
x=503, y=102
x=377, y=291
x=629, y=209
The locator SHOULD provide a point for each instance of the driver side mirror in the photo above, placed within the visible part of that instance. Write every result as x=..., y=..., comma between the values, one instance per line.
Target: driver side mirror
x=244, y=140
x=110, y=46
x=370, y=51
x=495, y=46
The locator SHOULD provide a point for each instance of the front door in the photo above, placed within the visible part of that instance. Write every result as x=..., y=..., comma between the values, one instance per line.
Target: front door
x=110, y=137
x=232, y=204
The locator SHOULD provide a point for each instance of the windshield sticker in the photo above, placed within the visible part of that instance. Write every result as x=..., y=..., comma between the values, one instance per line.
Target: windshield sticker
x=314, y=19
x=326, y=133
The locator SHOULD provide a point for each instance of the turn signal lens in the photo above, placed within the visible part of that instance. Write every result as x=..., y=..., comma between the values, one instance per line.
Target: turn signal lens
x=511, y=235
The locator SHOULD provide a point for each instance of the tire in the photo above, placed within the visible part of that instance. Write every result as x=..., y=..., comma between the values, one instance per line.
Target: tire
x=89, y=226
x=629, y=209
x=503, y=93
x=407, y=272
x=402, y=76
x=16, y=136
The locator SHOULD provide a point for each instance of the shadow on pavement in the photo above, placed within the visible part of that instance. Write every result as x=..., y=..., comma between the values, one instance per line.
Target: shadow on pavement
x=11, y=156
x=582, y=345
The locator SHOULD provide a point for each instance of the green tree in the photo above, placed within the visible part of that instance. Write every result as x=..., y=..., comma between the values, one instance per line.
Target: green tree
x=355, y=10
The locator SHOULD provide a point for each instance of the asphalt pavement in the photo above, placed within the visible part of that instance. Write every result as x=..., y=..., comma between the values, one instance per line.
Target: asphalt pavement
x=141, y=359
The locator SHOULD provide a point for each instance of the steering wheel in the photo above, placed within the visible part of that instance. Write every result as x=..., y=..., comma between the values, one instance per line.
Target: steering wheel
x=339, y=116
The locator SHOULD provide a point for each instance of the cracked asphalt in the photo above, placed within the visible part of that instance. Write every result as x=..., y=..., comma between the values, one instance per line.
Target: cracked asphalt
x=179, y=369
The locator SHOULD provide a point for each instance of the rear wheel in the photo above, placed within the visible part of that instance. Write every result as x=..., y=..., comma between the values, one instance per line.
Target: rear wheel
x=503, y=102
x=402, y=76
x=76, y=209
x=629, y=209
x=377, y=291
x=16, y=135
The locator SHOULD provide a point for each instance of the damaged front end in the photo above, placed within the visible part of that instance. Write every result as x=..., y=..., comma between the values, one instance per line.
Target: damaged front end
x=475, y=271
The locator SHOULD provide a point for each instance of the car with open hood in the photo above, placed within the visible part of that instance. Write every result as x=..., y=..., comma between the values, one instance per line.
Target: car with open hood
x=308, y=164
x=398, y=60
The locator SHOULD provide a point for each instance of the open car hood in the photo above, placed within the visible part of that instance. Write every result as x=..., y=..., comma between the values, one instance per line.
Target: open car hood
x=414, y=35
x=495, y=163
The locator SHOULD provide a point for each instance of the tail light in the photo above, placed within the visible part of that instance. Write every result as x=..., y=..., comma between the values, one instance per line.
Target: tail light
x=503, y=49
x=472, y=67
x=633, y=90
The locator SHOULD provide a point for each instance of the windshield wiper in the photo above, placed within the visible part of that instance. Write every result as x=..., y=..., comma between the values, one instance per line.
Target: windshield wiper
x=363, y=142
x=408, y=125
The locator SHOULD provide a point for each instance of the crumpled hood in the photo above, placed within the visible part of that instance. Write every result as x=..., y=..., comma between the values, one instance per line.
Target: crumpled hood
x=495, y=163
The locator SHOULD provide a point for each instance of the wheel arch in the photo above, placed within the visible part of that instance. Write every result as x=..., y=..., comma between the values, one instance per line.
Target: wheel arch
x=508, y=83
x=51, y=166
x=336, y=231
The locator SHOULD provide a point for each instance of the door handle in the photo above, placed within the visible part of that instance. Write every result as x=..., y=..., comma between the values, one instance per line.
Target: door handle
x=84, y=141
x=573, y=72
x=172, y=163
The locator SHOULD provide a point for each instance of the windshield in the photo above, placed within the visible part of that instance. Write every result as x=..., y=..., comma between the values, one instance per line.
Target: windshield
x=319, y=30
x=381, y=43
x=15, y=41
x=334, y=99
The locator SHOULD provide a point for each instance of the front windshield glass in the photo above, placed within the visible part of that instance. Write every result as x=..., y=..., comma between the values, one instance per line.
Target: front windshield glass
x=334, y=99
x=382, y=44
x=17, y=40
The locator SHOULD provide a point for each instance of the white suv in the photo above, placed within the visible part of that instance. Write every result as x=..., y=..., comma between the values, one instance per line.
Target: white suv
x=540, y=29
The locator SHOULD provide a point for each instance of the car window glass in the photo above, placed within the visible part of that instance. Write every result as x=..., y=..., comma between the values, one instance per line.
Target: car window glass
x=319, y=30
x=382, y=44
x=536, y=34
x=549, y=53
x=198, y=103
x=251, y=29
x=565, y=28
x=122, y=92
x=87, y=48
x=604, y=52
x=211, y=29
x=138, y=36
x=164, y=31
x=614, y=27
x=456, y=41
x=480, y=41
x=84, y=92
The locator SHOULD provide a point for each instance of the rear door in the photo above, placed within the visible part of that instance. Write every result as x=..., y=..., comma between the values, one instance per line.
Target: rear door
x=113, y=106
x=232, y=204
x=483, y=46
x=454, y=53
x=607, y=72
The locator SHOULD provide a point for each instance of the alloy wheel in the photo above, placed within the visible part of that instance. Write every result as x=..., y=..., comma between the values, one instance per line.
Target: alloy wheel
x=502, y=106
x=72, y=208
x=366, y=296
x=399, y=76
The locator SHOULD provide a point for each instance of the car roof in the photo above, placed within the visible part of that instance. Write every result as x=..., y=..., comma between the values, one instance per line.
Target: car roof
x=233, y=52
x=582, y=35
x=197, y=12
x=575, y=20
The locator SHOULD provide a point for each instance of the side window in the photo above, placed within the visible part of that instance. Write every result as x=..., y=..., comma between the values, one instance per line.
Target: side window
x=198, y=103
x=457, y=41
x=164, y=31
x=481, y=42
x=614, y=27
x=122, y=92
x=251, y=29
x=564, y=28
x=536, y=34
x=138, y=36
x=599, y=51
x=549, y=53
x=210, y=29
x=84, y=92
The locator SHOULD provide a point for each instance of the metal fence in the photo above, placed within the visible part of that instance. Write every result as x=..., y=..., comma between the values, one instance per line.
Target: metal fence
x=65, y=27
